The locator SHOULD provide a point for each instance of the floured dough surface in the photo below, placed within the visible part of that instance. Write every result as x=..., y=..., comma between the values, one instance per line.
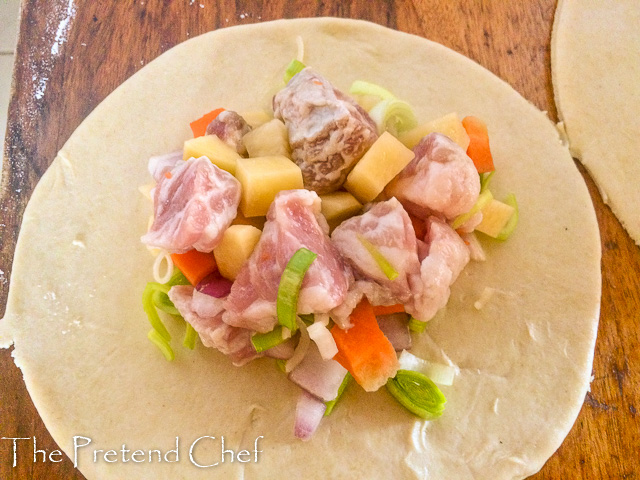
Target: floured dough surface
x=75, y=314
x=596, y=80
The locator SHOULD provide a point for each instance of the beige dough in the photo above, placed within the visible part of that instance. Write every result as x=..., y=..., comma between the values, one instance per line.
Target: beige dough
x=75, y=316
x=595, y=60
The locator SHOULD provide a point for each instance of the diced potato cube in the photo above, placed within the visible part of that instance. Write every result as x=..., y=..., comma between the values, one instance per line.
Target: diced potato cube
x=495, y=216
x=449, y=125
x=272, y=138
x=338, y=206
x=256, y=118
x=210, y=146
x=235, y=248
x=383, y=161
x=257, y=222
x=262, y=178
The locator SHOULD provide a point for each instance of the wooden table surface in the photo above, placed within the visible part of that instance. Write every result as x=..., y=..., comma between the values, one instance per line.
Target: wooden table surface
x=71, y=55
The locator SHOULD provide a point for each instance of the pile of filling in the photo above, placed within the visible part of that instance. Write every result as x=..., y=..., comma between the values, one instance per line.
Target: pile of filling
x=322, y=235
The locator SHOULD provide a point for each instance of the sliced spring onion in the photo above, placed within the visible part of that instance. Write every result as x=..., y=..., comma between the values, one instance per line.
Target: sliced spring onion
x=323, y=339
x=417, y=393
x=394, y=116
x=483, y=199
x=485, y=178
x=513, y=221
x=289, y=288
x=295, y=66
x=265, y=341
x=360, y=87
x=437, y=372
x=307, y=318
x=162, y=302
x=150, y=309
x=386, y=267
x=190, y=337
x=159, y=341
x=416, y=325
x=281, y=364
x=332, y=403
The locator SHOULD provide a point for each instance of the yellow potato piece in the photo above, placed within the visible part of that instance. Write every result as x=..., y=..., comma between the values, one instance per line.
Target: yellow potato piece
x=383, y=161
x=338, y=206
x=494, y=217
x=235, y=248
x=210, y=146
x=256, y=118
x=449, y=125
x=262, y=178
x=272, y=138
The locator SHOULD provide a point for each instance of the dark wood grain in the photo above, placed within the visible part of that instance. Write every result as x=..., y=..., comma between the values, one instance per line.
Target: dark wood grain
x=59, y=79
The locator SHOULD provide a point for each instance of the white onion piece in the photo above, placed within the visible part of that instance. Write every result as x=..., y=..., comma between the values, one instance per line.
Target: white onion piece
x=475, y=249
x=320, y=334
x=161, y=164
x=301, y=349
x=309, y=413
x=163, y=255
x=395, y=327
x=283, y=351
x=437, y=372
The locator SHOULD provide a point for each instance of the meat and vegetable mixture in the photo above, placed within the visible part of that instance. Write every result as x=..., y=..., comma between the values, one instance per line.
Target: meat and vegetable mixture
x=322, y=236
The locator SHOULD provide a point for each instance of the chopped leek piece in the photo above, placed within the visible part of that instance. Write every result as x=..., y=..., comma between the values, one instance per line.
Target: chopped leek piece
x=416, y=325
x=437, y=372
x=483, y=199
x=150, y=309
x=417, y=394
x=190, y=337
x=162, y=301
x=265, y=341
x=386, y=267
x=332, y=403
x=360, y=87
x=485, y=178
x=159, y=341
x=282, y=365
x=513, y=221
x=394, y=116
x=289, y=288
x=294, y=67
x=307, y=318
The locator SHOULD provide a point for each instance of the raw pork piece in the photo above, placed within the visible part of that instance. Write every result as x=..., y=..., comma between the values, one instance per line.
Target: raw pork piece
x=204, y=313
x=446, y=258
x=193, y=205
x=328, y=131
x=230, y=127
x=440, y=180
x=293, y=221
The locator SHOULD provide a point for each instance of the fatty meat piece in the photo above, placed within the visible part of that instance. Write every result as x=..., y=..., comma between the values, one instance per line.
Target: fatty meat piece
x=328, y=131
x=230, y=127
x=193, y=205
x=204, y=313
x=293, y=221
x=440, y=180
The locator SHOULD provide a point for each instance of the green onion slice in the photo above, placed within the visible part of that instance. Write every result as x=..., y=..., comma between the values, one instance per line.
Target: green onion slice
x=417, y=393
x=265, y=341
x=332, y=403
x=150, y=309
x=281, y=365
x=513, y=221
x=294, y=67
x=416, y=325
x=360, y=87
x=394, y=116
x=485, y=178
x=384, y=264
x=159, y=341
x=190, y=337
x=289, y=287
x=483, y=200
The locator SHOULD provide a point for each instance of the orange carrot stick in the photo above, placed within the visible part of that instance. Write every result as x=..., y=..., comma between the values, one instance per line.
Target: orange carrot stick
x=478, y=150
x=199, y=126
x=364, y=350
x=388, y=309
x=194, y=265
